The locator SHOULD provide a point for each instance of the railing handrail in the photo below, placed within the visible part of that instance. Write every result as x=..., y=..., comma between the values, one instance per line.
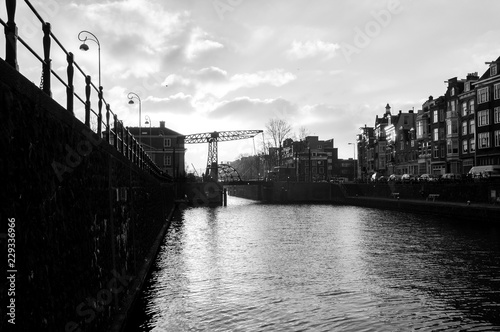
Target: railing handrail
x=129, y=146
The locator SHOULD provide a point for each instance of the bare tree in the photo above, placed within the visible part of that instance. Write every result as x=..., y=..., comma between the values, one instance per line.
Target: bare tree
x=279, y=130
x=303, y=133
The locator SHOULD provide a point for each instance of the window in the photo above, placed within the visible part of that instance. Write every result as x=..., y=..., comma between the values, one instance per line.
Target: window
x=465, y=146
x=167, y=142
x=484, y=140
x=467, y=86
x=493, y=69
x=472, y=126
x=483, y=95
x=420, y=129
x=442, y=151
x=436, y=134
x=471, y=106
x=453, y=105
x=441, y=115
x=483, y=118
x=167, y=160
x=441, y=133
x=496, y=138
x=452, y=146
x=436, y=151
x=464, y=128
x=496, y=115
x=452, y=91
x=452, y=127
x=435, y=116
x=496, y=91
x=472, y=144
x=464, y=108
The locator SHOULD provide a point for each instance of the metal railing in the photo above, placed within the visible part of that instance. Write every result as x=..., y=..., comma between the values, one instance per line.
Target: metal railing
x=111, y=128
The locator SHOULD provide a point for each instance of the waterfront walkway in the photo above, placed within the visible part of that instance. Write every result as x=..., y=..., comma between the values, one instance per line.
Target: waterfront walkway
x=461, y=210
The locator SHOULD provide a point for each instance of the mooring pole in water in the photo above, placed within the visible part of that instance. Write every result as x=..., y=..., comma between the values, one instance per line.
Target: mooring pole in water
x=224, y=197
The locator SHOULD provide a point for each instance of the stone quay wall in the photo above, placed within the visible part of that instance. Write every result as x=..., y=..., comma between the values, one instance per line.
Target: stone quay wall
x=87, y=220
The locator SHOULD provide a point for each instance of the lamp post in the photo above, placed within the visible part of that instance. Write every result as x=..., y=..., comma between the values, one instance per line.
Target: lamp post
x=131, y=96
x=85, y=47
x=354, y=159
x=148, y=121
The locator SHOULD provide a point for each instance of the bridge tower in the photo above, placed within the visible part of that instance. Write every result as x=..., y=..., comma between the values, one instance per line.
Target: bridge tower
x=212, y=139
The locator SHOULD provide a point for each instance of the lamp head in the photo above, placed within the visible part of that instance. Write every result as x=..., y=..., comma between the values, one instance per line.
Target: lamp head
x=84, y=47
x=147, y=122
x=131, y=102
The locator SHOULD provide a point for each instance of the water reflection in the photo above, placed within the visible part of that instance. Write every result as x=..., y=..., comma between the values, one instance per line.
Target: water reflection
x=322, y=268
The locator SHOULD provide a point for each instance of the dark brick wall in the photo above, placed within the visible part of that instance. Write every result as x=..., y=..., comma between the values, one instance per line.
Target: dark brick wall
x=79, y=249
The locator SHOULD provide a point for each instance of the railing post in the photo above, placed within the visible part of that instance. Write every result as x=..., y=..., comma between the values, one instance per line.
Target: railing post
x=11, y=35
x=46, y=61
x=134, y=151
x=99, y=116
x=70, y=90
x=87, y=101
x=127, y=133
x=108, y=134
x=122, y=136
x=115, y=143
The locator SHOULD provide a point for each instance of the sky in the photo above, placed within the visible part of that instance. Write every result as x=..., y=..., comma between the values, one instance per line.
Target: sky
x=214, y=65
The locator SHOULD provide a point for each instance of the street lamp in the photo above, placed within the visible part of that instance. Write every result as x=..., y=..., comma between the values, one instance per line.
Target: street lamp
x=131, y=96
x=148, y=121
x=85, y=47
x=354, y=159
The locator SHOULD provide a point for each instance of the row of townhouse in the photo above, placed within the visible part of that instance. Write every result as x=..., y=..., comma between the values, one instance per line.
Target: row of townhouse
x=450, y=134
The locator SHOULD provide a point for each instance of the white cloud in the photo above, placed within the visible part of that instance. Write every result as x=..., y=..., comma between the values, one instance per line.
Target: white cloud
x=312, y=49
x=200, y=42
x=275, y=77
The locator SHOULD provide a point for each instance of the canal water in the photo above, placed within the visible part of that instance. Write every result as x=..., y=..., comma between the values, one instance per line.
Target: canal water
x=257, y=267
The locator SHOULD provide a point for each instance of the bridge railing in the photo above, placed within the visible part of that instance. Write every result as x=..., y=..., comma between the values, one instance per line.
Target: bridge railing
x=109, y=128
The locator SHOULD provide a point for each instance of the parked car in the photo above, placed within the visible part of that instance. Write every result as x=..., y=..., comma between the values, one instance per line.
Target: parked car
x=428, y=178
x=451, y=177
x=408, y=178
x=485, y=172
x=395, y=178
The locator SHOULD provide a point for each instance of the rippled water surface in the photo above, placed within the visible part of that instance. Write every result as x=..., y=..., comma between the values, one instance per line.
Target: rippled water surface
x=255, y=267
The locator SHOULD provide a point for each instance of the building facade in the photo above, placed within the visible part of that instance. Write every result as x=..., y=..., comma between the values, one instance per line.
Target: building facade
x=488, y=116
x=164, y=146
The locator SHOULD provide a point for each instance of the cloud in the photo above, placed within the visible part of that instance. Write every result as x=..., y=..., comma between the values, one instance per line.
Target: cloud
x=254, y=110
x=275, y=77
x=199, y=43
x=209, y=84
x=312, y=49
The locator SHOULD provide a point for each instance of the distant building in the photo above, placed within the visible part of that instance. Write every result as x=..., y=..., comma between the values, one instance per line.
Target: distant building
x=488, y=116
x=311, y=158
x=467, y=109
x=164, y=146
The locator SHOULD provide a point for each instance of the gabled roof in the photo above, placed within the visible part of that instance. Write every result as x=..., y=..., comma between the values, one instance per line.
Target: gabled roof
x=486, y=74
x=155, y=131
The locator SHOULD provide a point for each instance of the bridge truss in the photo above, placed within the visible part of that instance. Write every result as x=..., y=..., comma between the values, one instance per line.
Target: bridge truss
x=212, y=139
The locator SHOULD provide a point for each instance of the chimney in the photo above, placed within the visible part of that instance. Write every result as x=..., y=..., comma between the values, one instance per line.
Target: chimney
x=472, y=76
x=162, y=124
x=431, y=97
